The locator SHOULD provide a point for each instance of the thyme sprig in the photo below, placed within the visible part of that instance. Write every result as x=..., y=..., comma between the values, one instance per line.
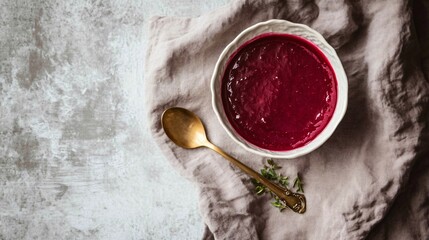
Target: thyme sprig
x=270, y=172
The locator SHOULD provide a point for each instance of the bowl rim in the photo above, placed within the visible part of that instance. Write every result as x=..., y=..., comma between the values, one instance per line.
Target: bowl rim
x=324, y=47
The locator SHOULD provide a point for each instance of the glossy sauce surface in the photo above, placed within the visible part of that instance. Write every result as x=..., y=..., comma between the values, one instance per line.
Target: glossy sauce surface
x=279, y=91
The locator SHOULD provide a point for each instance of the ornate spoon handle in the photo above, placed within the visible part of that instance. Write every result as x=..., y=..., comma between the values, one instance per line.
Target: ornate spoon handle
x=294, y=201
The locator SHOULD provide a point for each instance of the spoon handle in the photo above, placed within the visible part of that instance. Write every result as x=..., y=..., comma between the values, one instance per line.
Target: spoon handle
x=294, y=201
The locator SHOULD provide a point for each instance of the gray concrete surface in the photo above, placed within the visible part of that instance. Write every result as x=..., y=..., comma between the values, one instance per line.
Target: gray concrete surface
x=76, y=158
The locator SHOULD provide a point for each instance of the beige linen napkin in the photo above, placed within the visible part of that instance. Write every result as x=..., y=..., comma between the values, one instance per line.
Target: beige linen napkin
x=353, y=180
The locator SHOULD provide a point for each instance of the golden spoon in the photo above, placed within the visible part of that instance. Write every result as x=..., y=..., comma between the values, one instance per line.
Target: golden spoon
x=186, y=130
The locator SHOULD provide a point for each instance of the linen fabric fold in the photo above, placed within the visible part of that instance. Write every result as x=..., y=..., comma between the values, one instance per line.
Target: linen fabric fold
x=369, y=180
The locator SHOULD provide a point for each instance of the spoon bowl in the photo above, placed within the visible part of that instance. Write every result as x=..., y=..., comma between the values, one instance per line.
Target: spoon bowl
x=183, y=127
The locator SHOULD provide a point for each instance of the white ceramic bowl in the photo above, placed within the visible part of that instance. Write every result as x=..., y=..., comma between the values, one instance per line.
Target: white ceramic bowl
x=281, y=26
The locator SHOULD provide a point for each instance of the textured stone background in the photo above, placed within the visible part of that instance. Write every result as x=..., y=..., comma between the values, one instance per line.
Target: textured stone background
x=76, y=158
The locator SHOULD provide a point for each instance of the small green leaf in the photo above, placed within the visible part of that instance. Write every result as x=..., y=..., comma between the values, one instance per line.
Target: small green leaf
x=254, y=182
x=273, y=164
x=284, y=181
x=298, y=184
x=264, y=172
x=260, y=190
x=272, y=175
x=278, y=205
